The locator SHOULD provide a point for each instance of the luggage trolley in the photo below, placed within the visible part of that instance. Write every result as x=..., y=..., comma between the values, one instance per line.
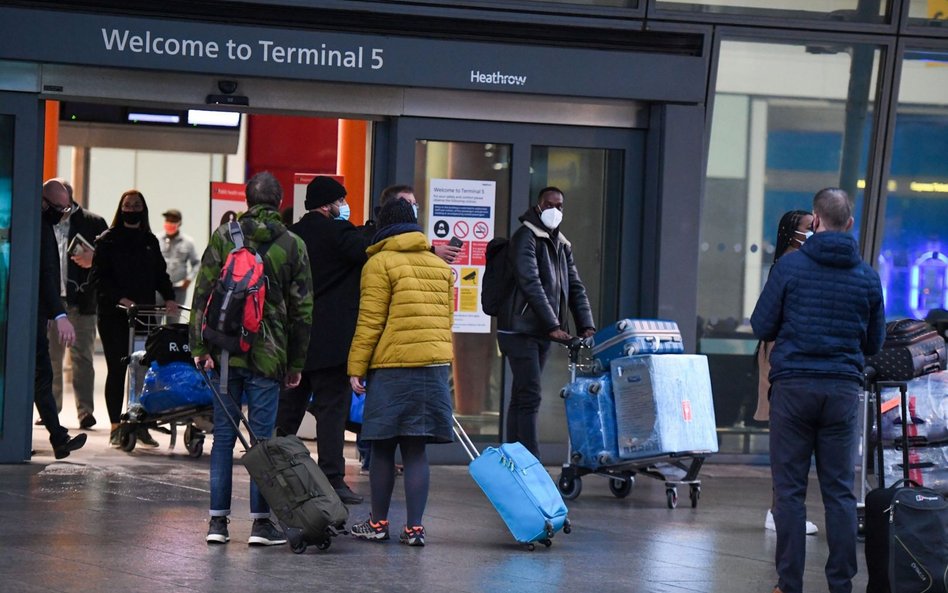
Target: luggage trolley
x=621, y=474
x=196, y=420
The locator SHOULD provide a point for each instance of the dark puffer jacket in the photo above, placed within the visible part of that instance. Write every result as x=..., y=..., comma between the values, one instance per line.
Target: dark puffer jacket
x=823, y=307
x=547, y=283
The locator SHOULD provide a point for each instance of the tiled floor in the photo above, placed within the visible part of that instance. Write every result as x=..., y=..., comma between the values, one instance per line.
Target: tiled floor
x=105, y=520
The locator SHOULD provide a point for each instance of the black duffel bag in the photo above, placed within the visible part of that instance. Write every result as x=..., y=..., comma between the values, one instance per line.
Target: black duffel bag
x=167, y=343
x=912, y=348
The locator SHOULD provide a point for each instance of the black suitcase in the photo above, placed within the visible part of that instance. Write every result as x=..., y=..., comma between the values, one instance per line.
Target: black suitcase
x=299, y=493
x=906, y=531
x=912, y=348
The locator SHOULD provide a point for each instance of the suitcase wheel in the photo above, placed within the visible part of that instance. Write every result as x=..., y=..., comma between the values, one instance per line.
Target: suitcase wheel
x=671, y=496
x=694, y=494
x=531, y=547
x=298, y=547
x=569, y=487
x=324, y=545
x=127, y=438
x=621, y=488
x=546, y=542
x=567, y=526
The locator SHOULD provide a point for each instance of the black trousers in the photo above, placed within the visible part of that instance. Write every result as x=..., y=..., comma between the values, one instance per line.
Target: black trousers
x=526, y=356
x=43, y=389
x=332, y=395
x=113, y=331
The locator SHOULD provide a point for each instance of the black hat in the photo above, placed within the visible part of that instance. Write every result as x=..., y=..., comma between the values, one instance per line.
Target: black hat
x=174, y=215
x=395, y=212
x=323, y=190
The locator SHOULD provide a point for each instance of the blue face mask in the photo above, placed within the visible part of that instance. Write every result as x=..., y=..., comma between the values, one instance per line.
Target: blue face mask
x=414, y=208
x=343, y=212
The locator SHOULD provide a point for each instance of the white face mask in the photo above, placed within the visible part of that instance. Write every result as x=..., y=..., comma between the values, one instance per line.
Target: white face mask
x=806, y=235
x=343, y=212
x=551, y=218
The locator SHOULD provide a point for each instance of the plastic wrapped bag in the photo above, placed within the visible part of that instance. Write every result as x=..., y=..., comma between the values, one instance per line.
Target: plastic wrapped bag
x=174, y=386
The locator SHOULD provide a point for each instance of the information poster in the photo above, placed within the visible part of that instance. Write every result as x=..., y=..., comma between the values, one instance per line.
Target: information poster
x=227, y=200
x=300, y=181
x=464, y=208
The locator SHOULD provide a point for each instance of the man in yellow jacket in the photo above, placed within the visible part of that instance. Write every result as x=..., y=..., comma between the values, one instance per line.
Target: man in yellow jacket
x=401, y=358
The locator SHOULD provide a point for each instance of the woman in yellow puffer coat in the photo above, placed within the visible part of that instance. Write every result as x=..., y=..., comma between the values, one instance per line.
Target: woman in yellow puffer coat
x=401, y=358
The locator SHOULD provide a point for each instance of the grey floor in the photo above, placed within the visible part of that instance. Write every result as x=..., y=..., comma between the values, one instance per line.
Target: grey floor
x=105, y=520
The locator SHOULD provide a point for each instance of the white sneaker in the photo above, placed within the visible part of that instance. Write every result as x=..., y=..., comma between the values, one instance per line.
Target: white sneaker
x=811, y=528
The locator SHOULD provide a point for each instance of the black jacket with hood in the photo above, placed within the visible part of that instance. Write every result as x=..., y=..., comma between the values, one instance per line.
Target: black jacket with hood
x=547, y=283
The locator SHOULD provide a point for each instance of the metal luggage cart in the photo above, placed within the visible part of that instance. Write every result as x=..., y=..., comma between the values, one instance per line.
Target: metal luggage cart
x=197, y=421
x=621, y=476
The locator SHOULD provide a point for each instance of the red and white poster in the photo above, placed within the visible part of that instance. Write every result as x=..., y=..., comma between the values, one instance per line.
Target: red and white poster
x=464, y=208
x=227, y=200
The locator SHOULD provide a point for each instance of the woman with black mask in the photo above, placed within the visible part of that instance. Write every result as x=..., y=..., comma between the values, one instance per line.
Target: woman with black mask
x=128, y=269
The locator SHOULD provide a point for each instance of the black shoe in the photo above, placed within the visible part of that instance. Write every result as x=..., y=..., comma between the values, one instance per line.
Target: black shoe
x=347, y=496
x=265, y=533
x=86, y=421
x=76, y=442
x=144, y=437
x=217, y=531
x=39, y=422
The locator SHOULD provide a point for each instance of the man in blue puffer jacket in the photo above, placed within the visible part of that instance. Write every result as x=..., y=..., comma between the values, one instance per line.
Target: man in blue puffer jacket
x=823, y=307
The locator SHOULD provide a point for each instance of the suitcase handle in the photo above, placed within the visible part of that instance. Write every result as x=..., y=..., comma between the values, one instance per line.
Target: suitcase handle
x=465, y=440
x=903, y=400
x=225, y=361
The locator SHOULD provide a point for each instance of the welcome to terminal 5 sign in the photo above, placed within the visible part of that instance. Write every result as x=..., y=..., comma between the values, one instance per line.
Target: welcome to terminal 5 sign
x=190, y=46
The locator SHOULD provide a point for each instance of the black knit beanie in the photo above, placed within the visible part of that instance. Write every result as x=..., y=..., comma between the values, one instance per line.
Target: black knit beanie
x=323, y=190
x=395, y=212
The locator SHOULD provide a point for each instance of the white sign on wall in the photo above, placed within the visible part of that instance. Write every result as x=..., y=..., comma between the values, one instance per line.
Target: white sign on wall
x=464, y=208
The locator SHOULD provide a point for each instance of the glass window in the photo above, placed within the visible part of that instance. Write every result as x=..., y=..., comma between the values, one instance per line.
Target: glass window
x=788, y=120
x=834, y=10
x=6, y=200
x=912, y=262
x=478, y=382
x=928, y=13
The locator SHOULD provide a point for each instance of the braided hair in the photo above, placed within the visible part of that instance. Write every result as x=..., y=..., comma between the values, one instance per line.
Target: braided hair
x=786, y=231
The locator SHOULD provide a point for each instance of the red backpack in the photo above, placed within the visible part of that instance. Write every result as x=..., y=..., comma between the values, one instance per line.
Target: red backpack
x=234, y=312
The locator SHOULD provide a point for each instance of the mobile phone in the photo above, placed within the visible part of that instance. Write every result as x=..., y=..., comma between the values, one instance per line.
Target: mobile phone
x=455, y=242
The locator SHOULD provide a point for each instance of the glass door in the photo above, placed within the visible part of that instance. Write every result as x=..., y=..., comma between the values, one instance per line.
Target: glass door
x=600, y=173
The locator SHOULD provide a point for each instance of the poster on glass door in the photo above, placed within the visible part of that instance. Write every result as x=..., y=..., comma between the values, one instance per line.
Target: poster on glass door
x=463, y=209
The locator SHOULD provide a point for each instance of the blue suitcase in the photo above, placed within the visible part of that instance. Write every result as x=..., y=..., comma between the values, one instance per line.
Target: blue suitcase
x=628, y=337
x=520, y=489
x=663, y=405
x=591, y=419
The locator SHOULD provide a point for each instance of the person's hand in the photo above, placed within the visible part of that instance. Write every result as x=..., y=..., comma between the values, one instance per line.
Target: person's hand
x=83, y=258
x=204, y=361
x=588, y=332
x=67, y=333
x=293, y=379
x=358, y=385
x=171, y=308
x=127, y=303
x=559, y=335
x=447, y=252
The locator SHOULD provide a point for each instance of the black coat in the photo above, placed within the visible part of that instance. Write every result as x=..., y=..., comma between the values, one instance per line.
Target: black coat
x=128, y=264
x=50, y=276
x=547, y=283
x=80, y=292
x=336, y=252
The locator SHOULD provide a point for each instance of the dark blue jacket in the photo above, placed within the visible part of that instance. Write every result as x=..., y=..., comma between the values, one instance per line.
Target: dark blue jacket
x=822, y=305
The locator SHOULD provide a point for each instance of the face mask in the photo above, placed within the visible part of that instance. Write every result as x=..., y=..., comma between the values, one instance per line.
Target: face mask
x=551, y=218
x=131, y=217
x=171, y=228
x=343, y=212
x=806, y=235
x=414, y=208
x=52, y=216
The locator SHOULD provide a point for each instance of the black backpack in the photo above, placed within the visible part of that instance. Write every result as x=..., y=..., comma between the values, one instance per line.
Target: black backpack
x=166, y=344
x=498, y=276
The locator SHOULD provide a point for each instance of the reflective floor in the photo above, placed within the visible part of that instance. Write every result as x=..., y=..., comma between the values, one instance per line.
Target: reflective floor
x=105, y=520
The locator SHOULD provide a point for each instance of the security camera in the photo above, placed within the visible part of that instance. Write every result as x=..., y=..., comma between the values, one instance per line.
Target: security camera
x=228, y=87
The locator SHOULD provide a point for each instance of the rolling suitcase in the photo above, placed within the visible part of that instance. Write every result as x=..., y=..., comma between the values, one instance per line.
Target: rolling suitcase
x=627, y=337
x=912, y=348
x=299, y=494
x=663, y=405
x=906, y=529
x=591, y=420
x=520, y=489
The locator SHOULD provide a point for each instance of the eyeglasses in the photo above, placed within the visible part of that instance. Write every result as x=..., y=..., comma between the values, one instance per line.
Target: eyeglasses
x=60, y=209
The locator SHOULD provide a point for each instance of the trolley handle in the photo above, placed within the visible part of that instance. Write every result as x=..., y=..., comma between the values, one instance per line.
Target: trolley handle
x=135, y=309
x=465, y=440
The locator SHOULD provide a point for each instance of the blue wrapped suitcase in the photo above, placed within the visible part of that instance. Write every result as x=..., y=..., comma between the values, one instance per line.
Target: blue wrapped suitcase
x=591, y=419
x=628, y=337
x=663, y=405
x=520, y=488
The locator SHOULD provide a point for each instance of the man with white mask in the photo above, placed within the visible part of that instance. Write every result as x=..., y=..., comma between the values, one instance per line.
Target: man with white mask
x=547, y=287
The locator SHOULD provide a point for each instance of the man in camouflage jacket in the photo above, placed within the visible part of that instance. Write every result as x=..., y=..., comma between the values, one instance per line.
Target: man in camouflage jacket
x=277, y=354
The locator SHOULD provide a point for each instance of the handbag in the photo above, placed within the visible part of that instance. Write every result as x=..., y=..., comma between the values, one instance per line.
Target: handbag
x=356, y=410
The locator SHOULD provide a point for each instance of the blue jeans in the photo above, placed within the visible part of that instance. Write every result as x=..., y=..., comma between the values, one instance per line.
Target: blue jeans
x=814, y=416
x=262, y=396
